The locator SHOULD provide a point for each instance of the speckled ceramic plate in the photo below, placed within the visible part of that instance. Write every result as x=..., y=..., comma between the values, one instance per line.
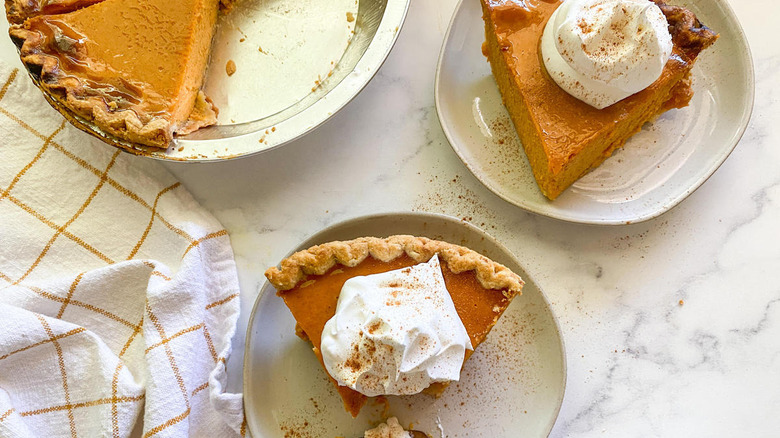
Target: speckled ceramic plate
x=512, y=386
x=657, y=169
x=296, y=64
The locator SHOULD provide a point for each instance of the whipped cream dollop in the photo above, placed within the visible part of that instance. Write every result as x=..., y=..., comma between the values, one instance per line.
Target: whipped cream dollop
x=602, y=51
x=391, y=429
x=395, y=333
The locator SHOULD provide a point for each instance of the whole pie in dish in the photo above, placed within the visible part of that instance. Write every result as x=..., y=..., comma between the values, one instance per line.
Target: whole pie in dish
x=127, y=71
x=564, y=137
x=310, y=282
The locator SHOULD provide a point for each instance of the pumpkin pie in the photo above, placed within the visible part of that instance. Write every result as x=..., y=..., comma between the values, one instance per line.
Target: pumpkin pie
x=564, y=137
x=310, y=282
x=127, y=71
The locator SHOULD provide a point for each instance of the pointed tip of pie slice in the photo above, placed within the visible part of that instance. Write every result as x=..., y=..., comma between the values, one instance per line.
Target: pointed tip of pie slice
x=353, y=400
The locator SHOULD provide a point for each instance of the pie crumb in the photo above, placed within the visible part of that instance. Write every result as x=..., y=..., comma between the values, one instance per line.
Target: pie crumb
x=230, y=68
x=390, y=429
x=350, y=17
x=681, y=302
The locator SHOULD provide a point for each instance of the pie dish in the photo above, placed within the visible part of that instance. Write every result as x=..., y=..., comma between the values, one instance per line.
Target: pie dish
x=267, y=103
x=310, y=281
x=563, y=137
x=131, y=68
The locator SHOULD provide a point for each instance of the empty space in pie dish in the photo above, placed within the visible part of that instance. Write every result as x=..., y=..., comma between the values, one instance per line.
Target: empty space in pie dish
x=279, y=52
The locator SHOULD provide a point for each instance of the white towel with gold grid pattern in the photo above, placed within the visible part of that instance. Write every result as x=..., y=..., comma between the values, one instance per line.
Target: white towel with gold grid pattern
x=118, y=292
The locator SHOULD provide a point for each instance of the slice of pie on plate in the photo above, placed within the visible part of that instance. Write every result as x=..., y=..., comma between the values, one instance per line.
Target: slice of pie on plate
x=127, y=71
x=564, y=137
x=310, y=283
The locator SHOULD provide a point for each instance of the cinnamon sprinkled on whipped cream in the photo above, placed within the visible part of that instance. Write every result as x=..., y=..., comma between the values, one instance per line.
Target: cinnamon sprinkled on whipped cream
x=395, y=333
x=602, y=51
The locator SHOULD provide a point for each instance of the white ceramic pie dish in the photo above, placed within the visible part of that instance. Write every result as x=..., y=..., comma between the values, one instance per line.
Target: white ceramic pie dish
x=657, y=169
x=296, y=66
x=515, y=380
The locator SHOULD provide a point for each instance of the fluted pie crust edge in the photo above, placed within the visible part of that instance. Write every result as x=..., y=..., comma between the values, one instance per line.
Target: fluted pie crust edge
x=318, y=259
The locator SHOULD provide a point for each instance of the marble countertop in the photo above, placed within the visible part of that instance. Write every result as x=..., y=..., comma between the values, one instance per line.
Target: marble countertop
x=672, y=326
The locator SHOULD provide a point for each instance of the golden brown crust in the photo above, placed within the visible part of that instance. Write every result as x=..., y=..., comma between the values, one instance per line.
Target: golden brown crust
x=688, y=33
x=317, y=260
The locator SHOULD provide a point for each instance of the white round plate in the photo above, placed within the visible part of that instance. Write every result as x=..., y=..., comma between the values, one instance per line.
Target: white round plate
x=657, y=169
x=296, y=65
x=511, y=387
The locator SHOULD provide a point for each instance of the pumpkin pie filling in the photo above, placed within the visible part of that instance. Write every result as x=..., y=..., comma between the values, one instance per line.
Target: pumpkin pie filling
x=314, y=297
x=133, y=69
x=19, y=10
x=564, y=137
x=68, y=48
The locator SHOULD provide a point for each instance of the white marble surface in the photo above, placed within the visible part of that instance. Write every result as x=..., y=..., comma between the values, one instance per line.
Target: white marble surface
x=640, y=363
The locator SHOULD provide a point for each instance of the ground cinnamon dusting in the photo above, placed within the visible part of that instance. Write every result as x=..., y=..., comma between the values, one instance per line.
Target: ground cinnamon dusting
x=454, y=198
x=353, y=362
x=374, y=327
x=298, y=430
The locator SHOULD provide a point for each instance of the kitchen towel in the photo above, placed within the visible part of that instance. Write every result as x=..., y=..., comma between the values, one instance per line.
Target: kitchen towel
x=118, y=292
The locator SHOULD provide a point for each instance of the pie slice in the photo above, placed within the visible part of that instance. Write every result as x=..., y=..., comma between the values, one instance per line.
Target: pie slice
x=310, y=282
x=131, y=68
x=564, y=137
